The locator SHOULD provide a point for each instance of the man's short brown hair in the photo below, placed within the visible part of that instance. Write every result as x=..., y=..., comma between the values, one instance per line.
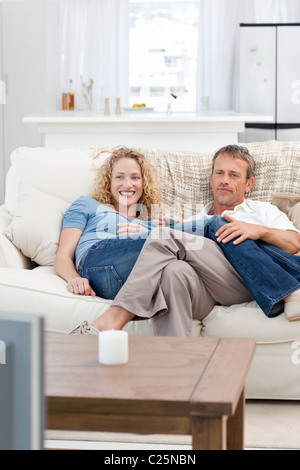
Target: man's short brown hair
x=237, y=151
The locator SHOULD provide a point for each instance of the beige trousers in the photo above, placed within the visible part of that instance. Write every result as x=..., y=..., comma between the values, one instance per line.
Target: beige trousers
x=179, y=277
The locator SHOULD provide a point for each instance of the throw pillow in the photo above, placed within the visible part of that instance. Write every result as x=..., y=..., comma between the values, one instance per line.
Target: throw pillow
x=36, y=224
x=294, y=215
x=290, y=205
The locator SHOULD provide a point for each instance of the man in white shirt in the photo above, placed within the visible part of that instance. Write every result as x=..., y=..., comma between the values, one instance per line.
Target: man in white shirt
x=268, y=267
x=178, y=279
x=262, y=220
x=254, y=212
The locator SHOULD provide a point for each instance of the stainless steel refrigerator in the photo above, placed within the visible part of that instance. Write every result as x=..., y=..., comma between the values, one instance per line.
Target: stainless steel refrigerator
x=269, y=80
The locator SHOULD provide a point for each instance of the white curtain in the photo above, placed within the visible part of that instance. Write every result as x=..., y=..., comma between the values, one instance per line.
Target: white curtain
x=217, y=50
x=277, y=11
x=94, y=44
x=218, y=43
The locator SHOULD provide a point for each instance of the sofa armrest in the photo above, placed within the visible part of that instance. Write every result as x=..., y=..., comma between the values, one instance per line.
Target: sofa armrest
x=10, y=256
x=5, y=218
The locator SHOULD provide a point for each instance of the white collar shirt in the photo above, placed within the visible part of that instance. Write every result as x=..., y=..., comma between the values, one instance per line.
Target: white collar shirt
x=254, y=212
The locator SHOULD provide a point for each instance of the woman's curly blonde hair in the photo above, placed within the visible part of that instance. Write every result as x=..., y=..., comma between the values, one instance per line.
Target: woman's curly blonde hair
x=151, y=186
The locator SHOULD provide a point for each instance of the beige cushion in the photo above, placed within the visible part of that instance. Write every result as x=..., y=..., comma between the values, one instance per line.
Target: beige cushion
x=36, y=224
x=290, y=205
x=294, y=215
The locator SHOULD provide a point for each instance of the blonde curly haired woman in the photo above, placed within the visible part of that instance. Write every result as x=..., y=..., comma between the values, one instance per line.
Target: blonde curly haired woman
x=102, y=235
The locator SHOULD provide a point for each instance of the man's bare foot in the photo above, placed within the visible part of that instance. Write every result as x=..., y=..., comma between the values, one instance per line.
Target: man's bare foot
x=292, y=306
x=113, y=319
x=294, y=297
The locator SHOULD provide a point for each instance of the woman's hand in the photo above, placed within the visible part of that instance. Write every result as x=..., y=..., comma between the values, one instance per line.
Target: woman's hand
x=80, y=286
x=160, y=219
x=166, y=218
x=130, y=227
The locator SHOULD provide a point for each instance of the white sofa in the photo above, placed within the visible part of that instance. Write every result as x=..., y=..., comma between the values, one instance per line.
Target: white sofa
x=42, y=182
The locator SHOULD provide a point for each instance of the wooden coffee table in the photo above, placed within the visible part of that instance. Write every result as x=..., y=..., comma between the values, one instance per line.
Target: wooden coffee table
x=169, y=386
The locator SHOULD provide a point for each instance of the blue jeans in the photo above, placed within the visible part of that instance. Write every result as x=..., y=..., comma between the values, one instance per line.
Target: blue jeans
x=269, y=273
x=108, y=263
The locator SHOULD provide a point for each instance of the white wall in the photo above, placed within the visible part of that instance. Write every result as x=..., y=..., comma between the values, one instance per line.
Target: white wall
x=30, y=68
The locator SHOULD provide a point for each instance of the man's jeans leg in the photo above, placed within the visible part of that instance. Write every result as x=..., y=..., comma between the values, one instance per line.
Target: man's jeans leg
x=269, y=273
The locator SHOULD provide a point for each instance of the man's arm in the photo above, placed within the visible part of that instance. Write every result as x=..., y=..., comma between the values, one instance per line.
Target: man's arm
x=286, y=240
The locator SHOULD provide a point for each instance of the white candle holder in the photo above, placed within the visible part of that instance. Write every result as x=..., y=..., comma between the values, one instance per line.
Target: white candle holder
x=113, y=347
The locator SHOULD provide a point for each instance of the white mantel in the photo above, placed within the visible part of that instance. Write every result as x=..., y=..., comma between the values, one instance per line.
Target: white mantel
x=204, y=132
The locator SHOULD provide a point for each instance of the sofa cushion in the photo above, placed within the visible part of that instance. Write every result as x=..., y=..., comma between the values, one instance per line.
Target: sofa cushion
x=247, y=320
x=65, y=173
x=290, y=205
x=36, y=224
x=41, y=292
x=294, y=215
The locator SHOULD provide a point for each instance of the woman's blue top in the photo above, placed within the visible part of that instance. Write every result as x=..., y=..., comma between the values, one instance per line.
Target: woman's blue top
x=97, y=222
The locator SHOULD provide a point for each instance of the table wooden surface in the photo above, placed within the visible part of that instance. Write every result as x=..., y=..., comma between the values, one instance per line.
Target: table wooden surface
x=170, y=385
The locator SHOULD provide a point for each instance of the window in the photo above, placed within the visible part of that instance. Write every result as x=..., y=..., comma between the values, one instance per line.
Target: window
x=163, y=39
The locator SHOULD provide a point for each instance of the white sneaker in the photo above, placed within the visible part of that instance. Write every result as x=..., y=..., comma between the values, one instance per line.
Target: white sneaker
x=292, y=311
x=85, y=329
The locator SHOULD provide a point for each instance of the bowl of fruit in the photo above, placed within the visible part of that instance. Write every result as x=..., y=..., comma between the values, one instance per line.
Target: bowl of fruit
x=141, y=107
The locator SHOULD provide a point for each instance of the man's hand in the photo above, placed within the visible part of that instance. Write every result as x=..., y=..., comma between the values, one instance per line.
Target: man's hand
x=239, y=230
x=286, y=240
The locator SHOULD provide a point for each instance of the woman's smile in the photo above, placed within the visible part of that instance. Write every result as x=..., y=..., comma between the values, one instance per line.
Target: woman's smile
x=127, y=193
x=126, y=184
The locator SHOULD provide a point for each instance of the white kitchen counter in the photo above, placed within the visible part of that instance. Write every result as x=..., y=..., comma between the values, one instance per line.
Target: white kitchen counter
x=203, y=132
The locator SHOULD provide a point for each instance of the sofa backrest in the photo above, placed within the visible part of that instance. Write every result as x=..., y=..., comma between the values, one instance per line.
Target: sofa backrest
x=69, y=173
x=186, y=176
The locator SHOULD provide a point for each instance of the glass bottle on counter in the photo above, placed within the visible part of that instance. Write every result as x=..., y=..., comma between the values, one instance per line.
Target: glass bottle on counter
x=71, y=97
x=64, y=101
x=106, y=107
x=118, y=106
